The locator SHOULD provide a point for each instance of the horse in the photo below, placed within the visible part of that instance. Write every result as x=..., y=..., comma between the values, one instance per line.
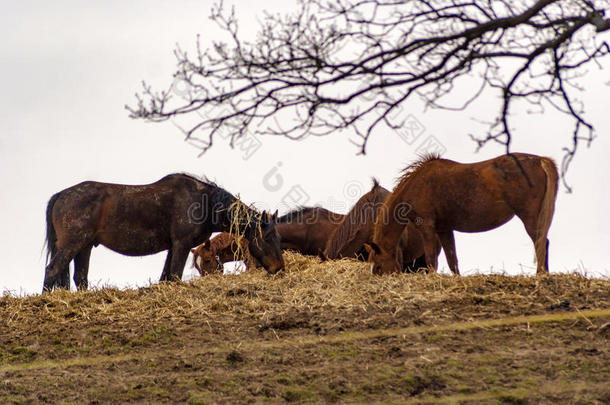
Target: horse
x=304, y=230
x=443, y=196
x=210, y=256
x=175, y=213
x=356, y=230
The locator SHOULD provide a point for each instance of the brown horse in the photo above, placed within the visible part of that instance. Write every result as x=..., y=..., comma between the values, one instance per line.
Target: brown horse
x=443, y=196
x=210, y=256
x=356, y=230
x=304, y=230
x=174, y=214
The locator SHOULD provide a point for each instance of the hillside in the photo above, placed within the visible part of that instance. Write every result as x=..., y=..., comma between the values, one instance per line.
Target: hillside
x=318, y=333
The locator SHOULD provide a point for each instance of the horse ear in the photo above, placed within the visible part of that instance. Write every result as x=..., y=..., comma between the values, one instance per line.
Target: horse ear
x=375, y=247
x=368, y=248
x=322, y=255
x=372, y=248
x=267, y=219
x=274, y=217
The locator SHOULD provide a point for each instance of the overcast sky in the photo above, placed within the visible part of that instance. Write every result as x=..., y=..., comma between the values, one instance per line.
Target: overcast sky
x=68, y=69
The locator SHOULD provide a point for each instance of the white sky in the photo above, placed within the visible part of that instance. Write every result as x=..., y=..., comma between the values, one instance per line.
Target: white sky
x=68, y=69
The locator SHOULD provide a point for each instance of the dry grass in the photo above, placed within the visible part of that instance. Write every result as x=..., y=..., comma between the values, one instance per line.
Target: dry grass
x=309, y=285
x=303, y=324
x=241, y=214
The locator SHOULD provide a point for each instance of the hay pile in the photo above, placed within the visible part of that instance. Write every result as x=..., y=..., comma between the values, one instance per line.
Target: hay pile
x=343, y=290
x=318, y=333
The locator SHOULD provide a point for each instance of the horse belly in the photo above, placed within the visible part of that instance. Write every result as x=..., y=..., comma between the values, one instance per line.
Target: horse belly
x=134, y=242
x=482, y=216
x=132, y=233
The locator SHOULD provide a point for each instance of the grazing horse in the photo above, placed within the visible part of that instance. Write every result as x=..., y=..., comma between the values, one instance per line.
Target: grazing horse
x=445, y=196
x=356, y=231
x=304, y=230
x=174, y=214
x=210, y=256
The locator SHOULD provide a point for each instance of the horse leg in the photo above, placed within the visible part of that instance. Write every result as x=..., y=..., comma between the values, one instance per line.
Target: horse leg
x=537, y=214
x=541, y=242
x=55, y=271
x=448, y=243
x=165, y=274
x=416, y=264
x=81, y=268
x=179, y=254
x=430, y=247
x=64, y=279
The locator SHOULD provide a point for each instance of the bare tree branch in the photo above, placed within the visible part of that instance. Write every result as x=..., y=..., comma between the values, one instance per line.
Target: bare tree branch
x=349, y=64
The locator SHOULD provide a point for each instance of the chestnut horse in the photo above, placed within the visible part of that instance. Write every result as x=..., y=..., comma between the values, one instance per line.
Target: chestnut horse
x=445, y=196
x=174, y=214
x=210, y=256
x=356, y=230
x=304, y=230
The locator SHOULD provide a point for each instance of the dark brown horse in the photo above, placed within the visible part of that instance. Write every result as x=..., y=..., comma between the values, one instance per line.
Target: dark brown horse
x=443, y=196
x=305, y=230
x=210, y=256
x=174, y=214
x=356, y=230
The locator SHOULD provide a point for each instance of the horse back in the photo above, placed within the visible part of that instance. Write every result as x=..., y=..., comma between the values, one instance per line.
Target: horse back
x=130, y=219
x=470, y=197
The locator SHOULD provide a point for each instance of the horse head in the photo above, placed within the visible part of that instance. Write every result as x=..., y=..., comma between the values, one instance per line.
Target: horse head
x=205, y=259
x=382, y=261
x=264, y=244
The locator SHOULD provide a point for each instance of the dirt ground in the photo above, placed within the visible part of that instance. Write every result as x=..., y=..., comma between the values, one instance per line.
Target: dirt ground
x=318, y=333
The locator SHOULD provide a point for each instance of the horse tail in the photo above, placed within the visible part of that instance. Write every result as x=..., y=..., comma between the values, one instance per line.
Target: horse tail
x=547, y=209
x=51, y=238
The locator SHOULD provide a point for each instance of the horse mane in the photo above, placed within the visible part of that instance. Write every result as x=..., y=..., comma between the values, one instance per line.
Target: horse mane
x=362, y=214
x=201, y=179
x=414, y=167
x=224, y=204
x=401, y=183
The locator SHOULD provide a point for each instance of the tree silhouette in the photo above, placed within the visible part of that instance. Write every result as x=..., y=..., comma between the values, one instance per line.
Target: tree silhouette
x=339, y=64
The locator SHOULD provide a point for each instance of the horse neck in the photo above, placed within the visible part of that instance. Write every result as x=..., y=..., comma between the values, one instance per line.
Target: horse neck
x=388, y=229
x=225, y=210
x=247, y=225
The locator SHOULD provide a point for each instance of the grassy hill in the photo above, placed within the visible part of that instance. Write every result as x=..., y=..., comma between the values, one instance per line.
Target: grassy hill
x=318, y=333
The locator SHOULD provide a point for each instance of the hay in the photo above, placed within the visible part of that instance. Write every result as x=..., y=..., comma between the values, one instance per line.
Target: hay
x=309, y=288
x=222, y=338
x=241, y=216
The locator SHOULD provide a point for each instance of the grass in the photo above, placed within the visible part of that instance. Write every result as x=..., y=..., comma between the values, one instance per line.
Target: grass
x=317, y=333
